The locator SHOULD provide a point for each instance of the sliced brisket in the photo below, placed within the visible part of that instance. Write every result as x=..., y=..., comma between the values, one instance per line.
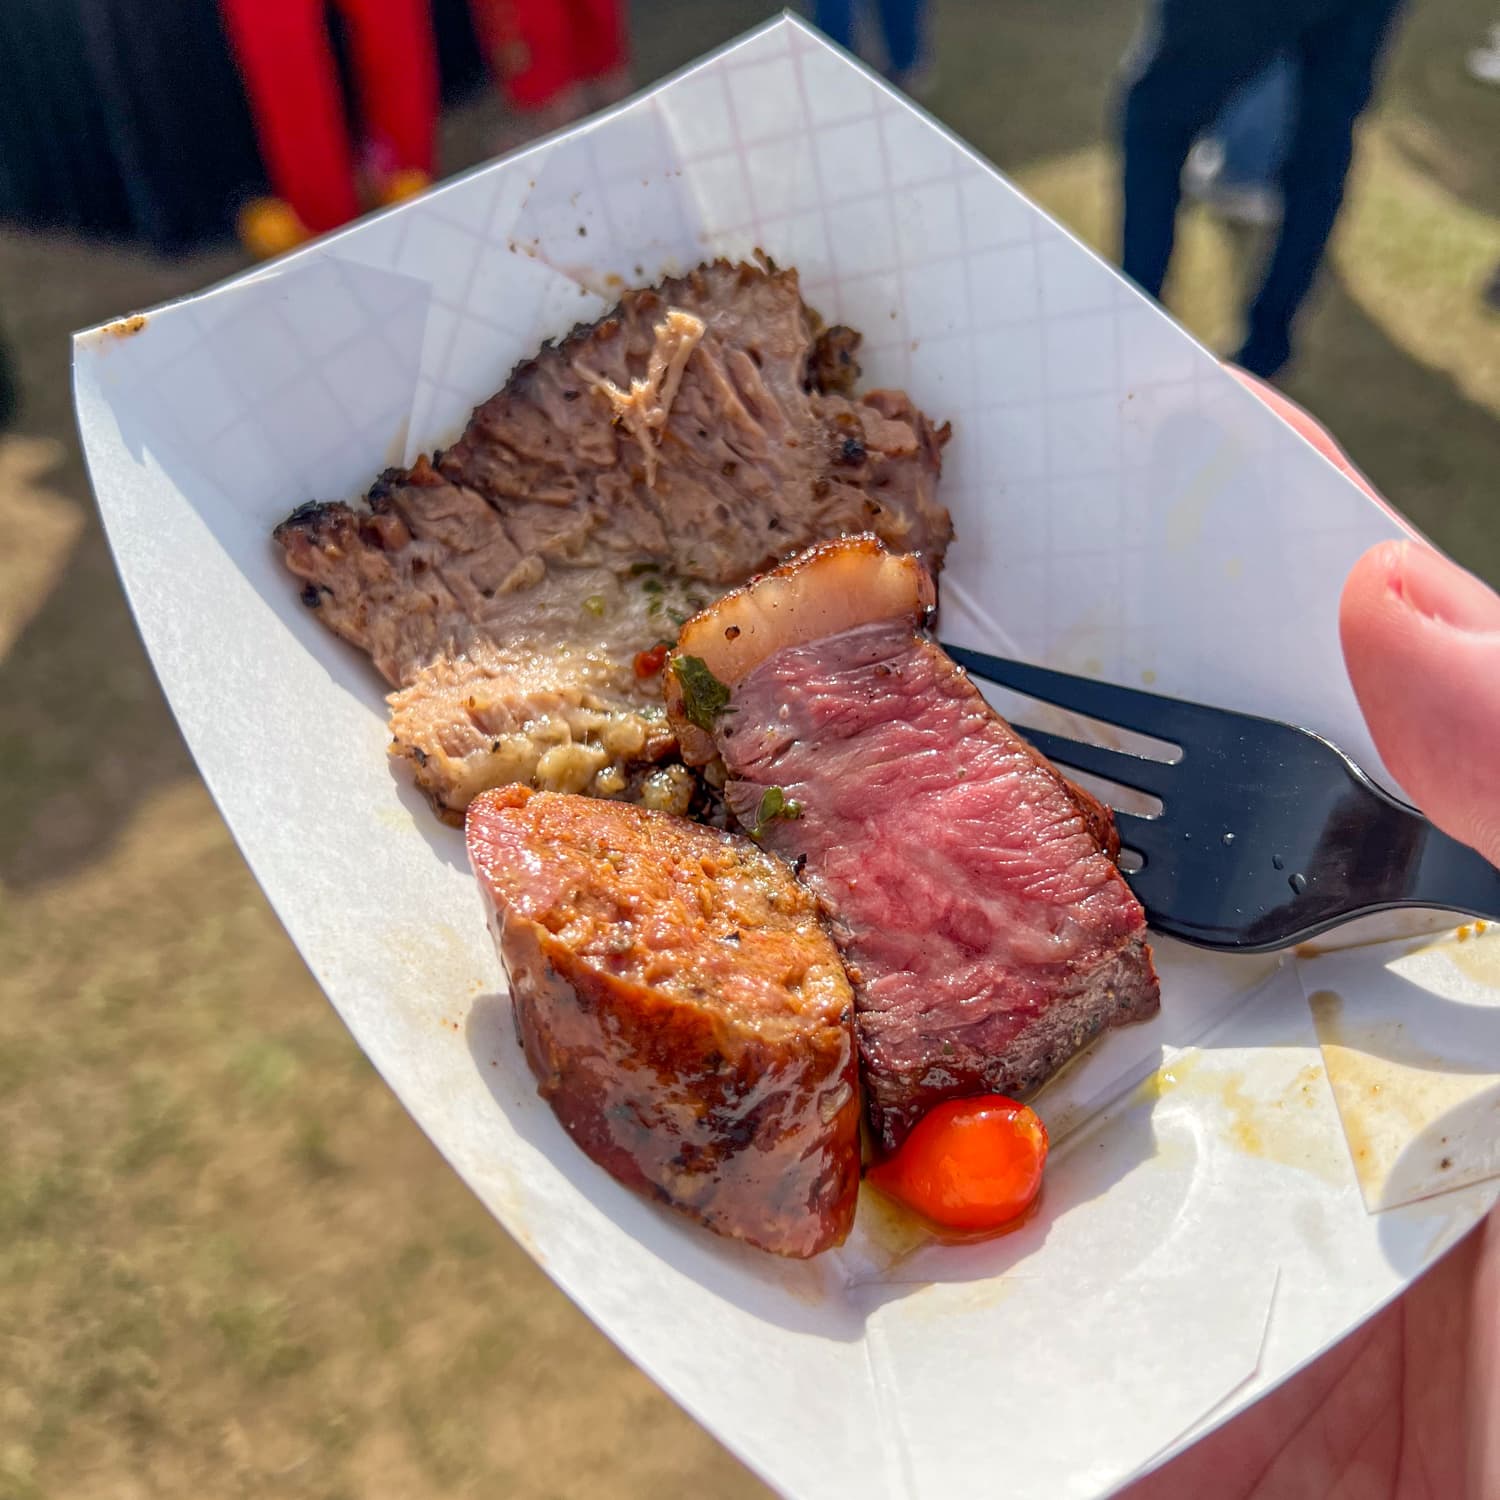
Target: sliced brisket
x=622, y=479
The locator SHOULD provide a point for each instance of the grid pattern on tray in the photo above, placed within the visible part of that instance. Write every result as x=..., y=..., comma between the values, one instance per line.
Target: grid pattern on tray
x=1107, y=481
x=1105, y=476
x=1096, y=446
x=1109, y=485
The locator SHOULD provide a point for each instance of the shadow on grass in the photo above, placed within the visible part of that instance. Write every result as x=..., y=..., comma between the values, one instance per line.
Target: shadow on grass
x=85, y=734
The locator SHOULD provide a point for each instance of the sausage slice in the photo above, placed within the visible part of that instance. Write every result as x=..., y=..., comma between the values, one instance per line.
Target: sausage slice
x=682, y=1008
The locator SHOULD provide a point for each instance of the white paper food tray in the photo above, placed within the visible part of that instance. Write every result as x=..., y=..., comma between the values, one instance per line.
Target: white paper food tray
x=1123, y=507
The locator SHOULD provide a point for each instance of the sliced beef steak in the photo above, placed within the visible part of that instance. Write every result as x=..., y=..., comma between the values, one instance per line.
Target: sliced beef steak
x=682, y=1008
x=621, y=480
x=971, y=887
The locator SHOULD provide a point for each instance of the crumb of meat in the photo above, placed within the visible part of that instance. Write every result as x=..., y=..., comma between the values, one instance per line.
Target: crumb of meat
x=643, y=410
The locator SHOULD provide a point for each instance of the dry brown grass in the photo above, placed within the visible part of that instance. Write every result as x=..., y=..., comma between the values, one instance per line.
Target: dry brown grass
x=229, y=1264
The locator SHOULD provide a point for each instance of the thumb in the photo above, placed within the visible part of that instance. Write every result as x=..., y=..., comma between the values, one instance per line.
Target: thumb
x=1422, y=644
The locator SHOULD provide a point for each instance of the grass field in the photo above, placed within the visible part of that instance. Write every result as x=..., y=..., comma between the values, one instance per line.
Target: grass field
x=229, y=1264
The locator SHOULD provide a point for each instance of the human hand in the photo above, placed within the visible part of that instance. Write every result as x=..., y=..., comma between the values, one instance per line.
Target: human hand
x=1408, y=1406
x=1422, y=645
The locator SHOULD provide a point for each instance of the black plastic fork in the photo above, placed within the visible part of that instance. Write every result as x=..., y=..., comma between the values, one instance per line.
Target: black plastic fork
x=1268, y=835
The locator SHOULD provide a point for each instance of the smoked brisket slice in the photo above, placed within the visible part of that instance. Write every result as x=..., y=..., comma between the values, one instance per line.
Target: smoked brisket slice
x=622, y=479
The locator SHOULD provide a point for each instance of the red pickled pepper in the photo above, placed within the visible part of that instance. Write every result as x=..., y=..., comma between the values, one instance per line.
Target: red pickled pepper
x=968, y=1164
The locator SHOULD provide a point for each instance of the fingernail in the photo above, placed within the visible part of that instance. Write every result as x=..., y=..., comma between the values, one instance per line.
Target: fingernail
x=1435, y=586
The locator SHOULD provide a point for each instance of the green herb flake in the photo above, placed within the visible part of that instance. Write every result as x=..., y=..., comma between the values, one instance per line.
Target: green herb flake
x=636, y=569
x=652, y=585
x=704, y=697
x=774, y=803
x=594, y=604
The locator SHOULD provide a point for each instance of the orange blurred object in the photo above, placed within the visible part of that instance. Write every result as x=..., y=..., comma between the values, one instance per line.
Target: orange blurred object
x=407, y=182
x=969, y=1164
x=269, y=227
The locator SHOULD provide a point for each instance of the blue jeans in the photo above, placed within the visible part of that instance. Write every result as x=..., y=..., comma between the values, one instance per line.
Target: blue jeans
x=1254, y=128
x=1195, y=55
x=902, y=23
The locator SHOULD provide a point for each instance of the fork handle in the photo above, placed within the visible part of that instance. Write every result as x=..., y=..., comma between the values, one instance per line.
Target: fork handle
x=1374, y=853
x=1454, y=877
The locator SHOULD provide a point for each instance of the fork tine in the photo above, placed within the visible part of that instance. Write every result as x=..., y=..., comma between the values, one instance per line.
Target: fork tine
x=1138, y=771
x=1154, y=882
x=1142, y=834
x=1163, y=718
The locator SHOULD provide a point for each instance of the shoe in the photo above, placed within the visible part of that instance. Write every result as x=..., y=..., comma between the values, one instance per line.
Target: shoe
x=1257, y=205
x=1264, y=357
x=1484, y=62
x=269, y=227
x=916, y=82
x=1200, y=172
x=404, y=183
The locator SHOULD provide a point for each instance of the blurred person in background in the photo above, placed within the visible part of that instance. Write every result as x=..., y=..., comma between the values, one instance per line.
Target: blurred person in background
x=904, y=32
x=1191, y=58
x=554, y=60
x=285, y=58
x=1235, y=169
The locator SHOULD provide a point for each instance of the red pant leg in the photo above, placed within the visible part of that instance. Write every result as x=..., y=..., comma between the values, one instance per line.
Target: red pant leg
x=599, y=37
x=529, y=44
x=286, y=63
x=395, y=68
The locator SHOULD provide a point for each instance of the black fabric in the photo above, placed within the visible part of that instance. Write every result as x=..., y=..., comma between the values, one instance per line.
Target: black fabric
x=179, y=126
x=56, y=166
x=126, y=118
x=1193, y=55
x=460, y=60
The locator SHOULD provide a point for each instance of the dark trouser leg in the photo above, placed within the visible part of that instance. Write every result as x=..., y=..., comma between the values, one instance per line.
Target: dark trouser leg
x=836, y=19
x=1336, y=62
x=1196, y=53
x=903, y=22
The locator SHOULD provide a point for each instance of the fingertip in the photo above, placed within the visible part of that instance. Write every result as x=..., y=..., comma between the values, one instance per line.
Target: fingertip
x=1382, y=563
x=1428, y=682
x=1370, y=608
